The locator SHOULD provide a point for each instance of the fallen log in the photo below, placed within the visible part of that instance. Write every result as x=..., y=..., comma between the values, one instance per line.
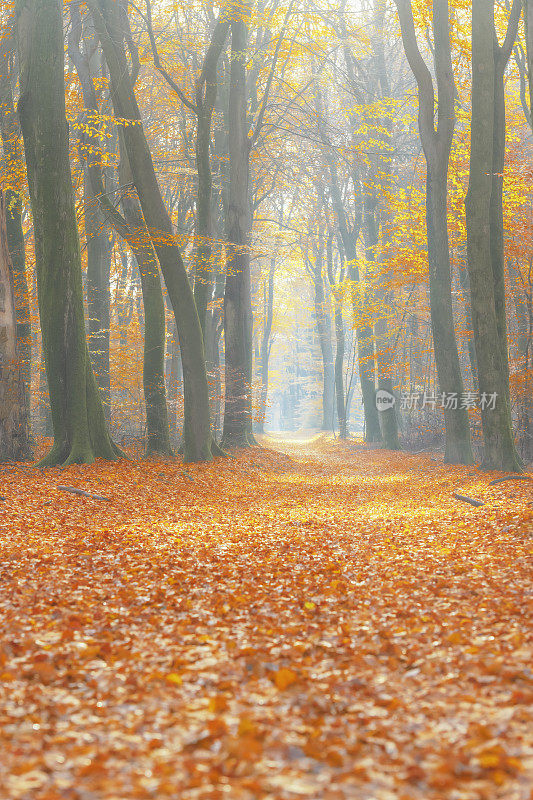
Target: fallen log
x=471, y=500
x=73, y=490
x=511, y=478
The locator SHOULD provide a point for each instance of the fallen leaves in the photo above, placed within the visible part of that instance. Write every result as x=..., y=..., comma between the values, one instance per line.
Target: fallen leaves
x=332, y=626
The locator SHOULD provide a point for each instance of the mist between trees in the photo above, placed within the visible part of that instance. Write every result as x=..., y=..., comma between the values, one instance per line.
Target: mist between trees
x=223, y=221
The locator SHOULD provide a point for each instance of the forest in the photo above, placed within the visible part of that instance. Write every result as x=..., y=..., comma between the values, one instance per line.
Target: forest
x=266, y=399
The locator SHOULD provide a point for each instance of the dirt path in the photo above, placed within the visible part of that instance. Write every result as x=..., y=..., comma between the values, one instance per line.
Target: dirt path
x=323, y=621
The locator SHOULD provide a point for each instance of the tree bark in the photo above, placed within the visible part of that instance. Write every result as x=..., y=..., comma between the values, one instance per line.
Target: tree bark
x=336, y=290
x=98, y=293
x=324, y=336
x=132, y=229
x=528, y=21
x=80, y=431
x=14, y=417
x=197, y=439
x=238, y=319
x=266, y=343
x=10, y=133
x=499, y=447
x=501, y=59
x=436, y=143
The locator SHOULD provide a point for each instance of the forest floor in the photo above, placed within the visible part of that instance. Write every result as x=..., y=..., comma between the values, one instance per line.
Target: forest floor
x=309, y=620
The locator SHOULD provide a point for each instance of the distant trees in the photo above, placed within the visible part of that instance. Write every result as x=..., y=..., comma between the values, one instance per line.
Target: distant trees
x=172, y=165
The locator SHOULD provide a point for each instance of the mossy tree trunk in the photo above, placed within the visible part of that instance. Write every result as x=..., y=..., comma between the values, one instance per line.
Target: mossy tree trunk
x=80, y=431
x=14, y=414
x=499, y=447
x=13, y=156
x=132, y=228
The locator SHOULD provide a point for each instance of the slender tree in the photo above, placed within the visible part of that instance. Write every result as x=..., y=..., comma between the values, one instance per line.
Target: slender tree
x=14, y=413
x=197, y=439
x=336, y=282
x=266, y=341
x=437, y=142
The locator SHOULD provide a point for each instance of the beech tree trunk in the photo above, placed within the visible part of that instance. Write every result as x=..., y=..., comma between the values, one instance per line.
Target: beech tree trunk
x=336, y=290
x=133, y=230
x=14, y=417
x=197, y=439
x=324, y=338
x=436, y=142
x=388, y=420
x=266, y=343
x=80, y=431
x=98, y=293
x=499, y=448
x=238, y=318
x=10, y=133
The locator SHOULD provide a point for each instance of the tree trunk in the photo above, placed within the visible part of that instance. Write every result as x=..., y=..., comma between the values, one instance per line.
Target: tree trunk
x=98, y=293
x=14, y=418
x=10, y=133
x=238, y=318
x=324, y=338
x=458, y=449
x=387, y=417
x=528, y=21
x=80, y=432
x=336, y=291
x=523, y=304
x=462, y=269
x=499, y=452
x=197, y=438
x=132, y=228
x=266, y=344
x=436, y=142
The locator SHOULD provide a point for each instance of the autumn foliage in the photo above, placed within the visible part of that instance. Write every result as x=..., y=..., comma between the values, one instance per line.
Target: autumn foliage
x=314, y=621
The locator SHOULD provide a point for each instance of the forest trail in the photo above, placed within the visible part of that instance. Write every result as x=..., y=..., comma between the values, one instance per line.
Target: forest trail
x=316, y=621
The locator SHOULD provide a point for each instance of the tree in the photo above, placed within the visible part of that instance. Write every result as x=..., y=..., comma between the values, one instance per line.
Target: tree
x=485, y=262
x=132, y=228
x=197, y=439
x=13, y=159
x=266, y=341
x=80, y=431
x=14, y=416
x=315, y=267
x=336, y=282
x=437, y=142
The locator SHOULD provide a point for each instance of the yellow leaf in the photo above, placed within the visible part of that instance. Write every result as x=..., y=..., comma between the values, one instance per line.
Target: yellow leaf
x=284, y=678
x=174, y=678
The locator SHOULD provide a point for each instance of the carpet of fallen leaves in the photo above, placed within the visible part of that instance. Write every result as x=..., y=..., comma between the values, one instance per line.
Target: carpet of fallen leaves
x=315, y=621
